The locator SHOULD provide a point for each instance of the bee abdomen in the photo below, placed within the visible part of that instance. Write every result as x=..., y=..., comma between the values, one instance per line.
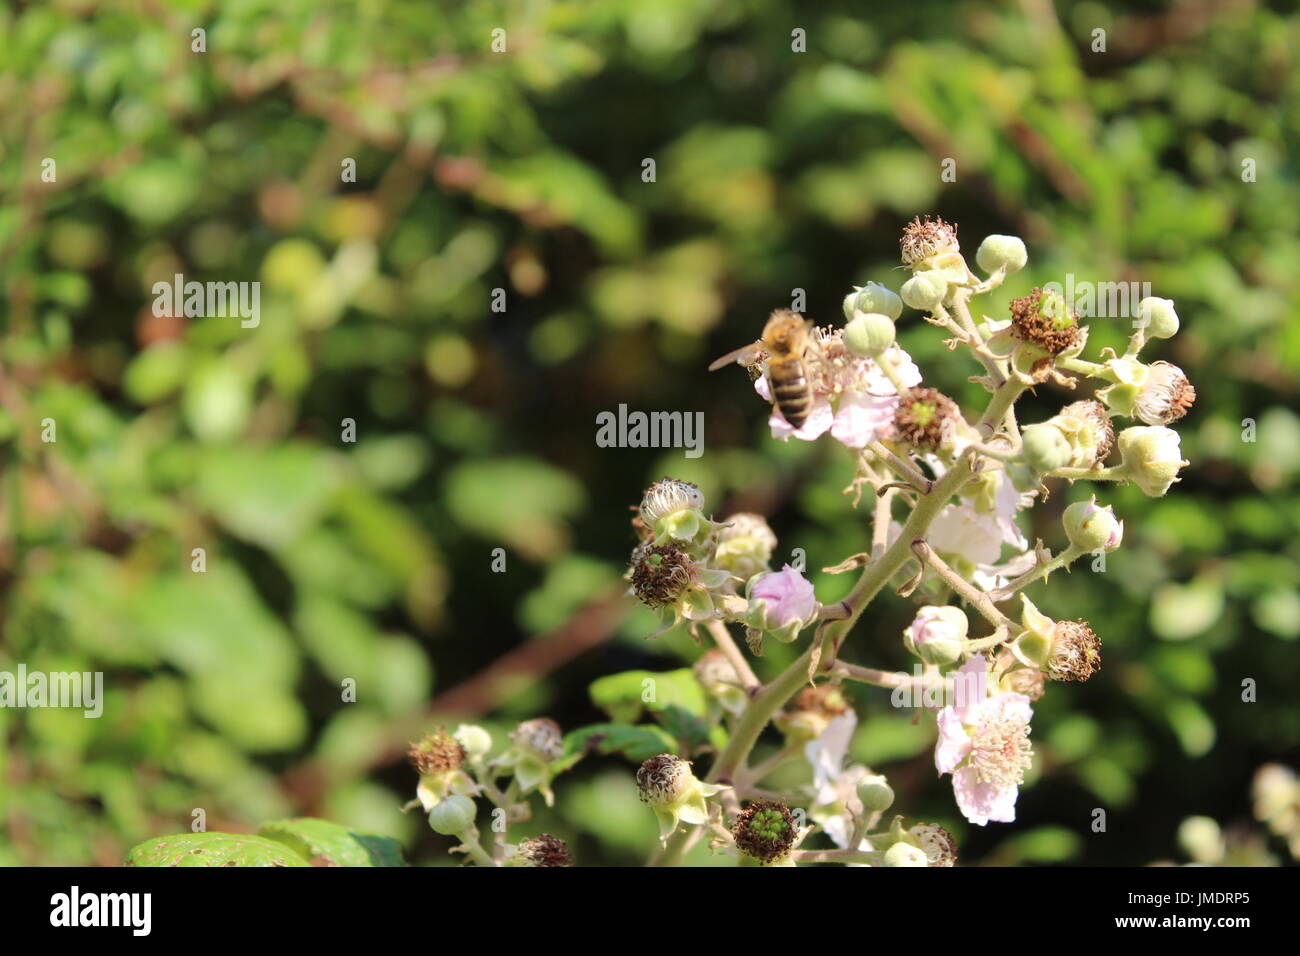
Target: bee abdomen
x=793, y=397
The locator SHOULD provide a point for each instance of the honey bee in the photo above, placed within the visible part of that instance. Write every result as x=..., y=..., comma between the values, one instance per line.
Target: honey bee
x=784, y=342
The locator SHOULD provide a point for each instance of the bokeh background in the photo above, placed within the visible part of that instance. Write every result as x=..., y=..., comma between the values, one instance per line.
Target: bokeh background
x=522, y=170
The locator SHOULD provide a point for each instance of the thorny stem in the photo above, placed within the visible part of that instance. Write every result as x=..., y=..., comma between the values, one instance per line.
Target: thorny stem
x=976, y=598
x=903, y=466
x=1067, y=556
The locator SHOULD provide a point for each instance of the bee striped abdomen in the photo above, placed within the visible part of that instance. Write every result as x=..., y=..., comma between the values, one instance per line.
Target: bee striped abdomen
x=791, y=392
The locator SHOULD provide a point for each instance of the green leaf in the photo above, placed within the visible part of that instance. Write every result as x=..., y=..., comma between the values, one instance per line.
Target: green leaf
x=635, y=743
x=325, y=843
x=213, y=849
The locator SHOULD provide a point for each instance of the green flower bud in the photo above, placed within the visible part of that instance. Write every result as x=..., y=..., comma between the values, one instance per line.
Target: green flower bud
x=1091, y=527
x=925, y=291
x=1159, y=318
x=1002, y=252
x=905, y=854
x=850, y=304
x=745, y=545
x=868, y=334
x=476, y=741
x=875, y=793
x=1044, y=448
x=1150, y=457
x=874, y=297
x=452, y=816
x=938, y=634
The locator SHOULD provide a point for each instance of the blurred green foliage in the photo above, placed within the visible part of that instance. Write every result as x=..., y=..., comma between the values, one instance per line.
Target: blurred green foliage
x=522, y=171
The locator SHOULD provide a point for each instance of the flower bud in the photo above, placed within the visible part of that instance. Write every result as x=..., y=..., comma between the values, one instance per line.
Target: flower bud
x=745, y=545
x=938, y=634
x=1160, y=319
x=476, y=741
x=781, y=603
x=874, y=297
x=542, y=850
x=875, y=793
x=1091, y=527
x=1150, y=457
x=1166, y=396
x=925, y=291
x=926, y=419
x=765, y=831
x=1044, y=448
x=905, y=854
x=452, y=816
x=811, y=712
x=868, y=334
x=1002, y=252
x=923, y=240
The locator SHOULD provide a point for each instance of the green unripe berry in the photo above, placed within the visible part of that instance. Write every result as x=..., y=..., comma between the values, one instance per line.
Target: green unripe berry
x=452, y=815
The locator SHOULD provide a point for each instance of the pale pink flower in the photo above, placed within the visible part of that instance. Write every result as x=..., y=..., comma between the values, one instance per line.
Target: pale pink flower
x=788, y=596
x=984, y=744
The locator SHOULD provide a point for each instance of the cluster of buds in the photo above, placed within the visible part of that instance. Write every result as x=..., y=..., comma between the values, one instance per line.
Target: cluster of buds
x=690, y=568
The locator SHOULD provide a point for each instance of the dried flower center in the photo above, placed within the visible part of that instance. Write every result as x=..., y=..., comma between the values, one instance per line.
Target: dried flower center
x=437, y=753
x=663, y=779
x=545, y=850
x=660, y=573
x=1001, y=752
x=542, y=736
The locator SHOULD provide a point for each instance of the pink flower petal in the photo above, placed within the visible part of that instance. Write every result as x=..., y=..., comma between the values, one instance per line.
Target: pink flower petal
x=819, y=421
x=981, y=802
x=862, y=418
x=953, y=744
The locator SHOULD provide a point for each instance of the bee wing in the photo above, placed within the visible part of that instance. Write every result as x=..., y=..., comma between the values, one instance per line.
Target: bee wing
x=745, y=355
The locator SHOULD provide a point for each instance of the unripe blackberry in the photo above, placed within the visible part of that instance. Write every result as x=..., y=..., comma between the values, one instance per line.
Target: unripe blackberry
x=765, y=831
